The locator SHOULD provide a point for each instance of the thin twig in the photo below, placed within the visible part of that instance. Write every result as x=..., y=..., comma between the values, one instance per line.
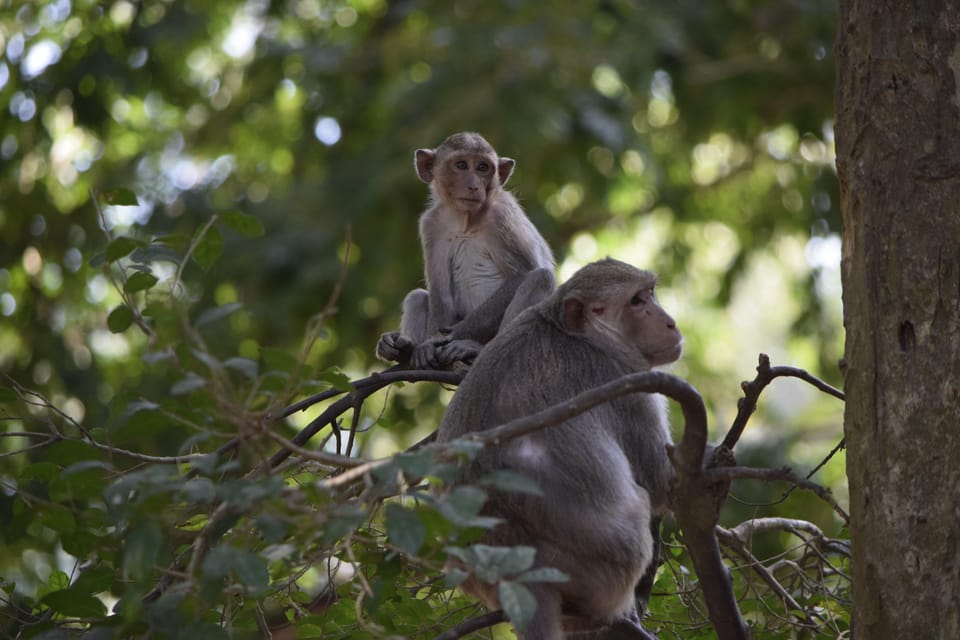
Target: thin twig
x=732, y=541
x=752, y=389
x=783, y=473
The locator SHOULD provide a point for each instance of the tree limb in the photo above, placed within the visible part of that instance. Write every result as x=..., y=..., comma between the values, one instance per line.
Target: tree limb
x=473, y=624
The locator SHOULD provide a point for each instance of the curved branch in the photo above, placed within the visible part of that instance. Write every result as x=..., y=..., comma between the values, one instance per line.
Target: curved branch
x=694, y=440
x=473, y=624
x=752, y=390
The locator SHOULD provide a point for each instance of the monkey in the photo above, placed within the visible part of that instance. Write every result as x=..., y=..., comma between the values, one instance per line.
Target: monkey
x=484, y=261
x=604, y=475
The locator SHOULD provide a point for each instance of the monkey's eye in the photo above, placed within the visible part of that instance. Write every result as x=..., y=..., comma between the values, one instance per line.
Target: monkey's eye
x=636, y=299
x=483, y=167
x=461, y=164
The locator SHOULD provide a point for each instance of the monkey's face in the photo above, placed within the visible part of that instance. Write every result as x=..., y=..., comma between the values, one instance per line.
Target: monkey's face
x=645, y=325
x=624, y=317
x=464, y=180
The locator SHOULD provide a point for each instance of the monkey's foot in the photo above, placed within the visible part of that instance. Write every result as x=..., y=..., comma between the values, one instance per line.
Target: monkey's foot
x=629, y=629
x=394, y=347
x=463, y=351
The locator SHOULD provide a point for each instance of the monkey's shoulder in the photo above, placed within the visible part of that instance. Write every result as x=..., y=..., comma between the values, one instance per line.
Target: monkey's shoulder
x=439, y=220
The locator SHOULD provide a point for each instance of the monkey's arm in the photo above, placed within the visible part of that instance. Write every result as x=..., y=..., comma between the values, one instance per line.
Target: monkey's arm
x=482, y=324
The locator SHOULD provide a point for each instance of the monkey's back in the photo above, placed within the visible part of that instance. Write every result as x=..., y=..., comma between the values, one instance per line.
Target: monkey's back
x=592, y=518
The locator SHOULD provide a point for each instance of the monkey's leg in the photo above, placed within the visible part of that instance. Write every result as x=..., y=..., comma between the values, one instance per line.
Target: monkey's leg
x=536, y=287
x=422, y=351
x=627, y=629
x=416, y=315
x=469, y=335
x=645, y=586
x=399, y=345
x=547, y=622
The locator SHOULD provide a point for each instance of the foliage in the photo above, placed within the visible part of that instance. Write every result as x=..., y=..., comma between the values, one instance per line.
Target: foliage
x=206, y=541
x=184, y=184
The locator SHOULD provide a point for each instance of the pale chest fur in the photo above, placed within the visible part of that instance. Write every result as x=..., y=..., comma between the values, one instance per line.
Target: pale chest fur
x=475, y=276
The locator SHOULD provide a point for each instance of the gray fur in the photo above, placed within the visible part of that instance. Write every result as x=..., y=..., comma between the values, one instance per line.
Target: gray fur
x=603, y=474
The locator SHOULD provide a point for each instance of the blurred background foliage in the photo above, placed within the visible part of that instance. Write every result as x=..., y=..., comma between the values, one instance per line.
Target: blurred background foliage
x=691, y=138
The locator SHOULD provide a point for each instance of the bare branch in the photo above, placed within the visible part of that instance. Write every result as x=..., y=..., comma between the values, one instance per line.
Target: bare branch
x=737, y=544
x=783, y=473
x=751, y=393
x=745, y=530
x=361, y=390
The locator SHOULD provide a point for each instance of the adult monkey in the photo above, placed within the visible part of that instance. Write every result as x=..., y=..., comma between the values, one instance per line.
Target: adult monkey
x=484, y=260
x=604, y=475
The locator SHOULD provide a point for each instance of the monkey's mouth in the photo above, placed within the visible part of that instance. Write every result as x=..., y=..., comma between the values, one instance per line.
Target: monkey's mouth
x=667, y=355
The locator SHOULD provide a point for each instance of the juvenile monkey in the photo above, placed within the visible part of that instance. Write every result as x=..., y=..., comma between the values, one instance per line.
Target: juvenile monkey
x=604, y=475
x=484, y=261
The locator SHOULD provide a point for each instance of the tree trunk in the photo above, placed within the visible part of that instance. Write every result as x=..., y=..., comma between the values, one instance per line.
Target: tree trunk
x=898, y=158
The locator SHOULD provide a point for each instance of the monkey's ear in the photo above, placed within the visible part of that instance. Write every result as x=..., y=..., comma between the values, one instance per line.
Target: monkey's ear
x=574, y=314
x=504, y=169
x=423, y=160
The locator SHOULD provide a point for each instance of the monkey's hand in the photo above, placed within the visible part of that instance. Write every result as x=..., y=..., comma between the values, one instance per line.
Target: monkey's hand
x=458, y=351
x=426, y=355
x=394, y=347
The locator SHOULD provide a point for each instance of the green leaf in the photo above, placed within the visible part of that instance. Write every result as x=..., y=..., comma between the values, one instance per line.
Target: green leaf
x=336, y=379
x=246, y=366
x=199, y=491
x=462, y=505
x=80, y=543
x=243, y=223
x=251, y=571
x=453, y=577
x=204, y=631
x=119, y=319
x=517, y=602
x=417, y=463
x=78, y=484
x=494, y=563
x=42, y=471
x=209, y=249
x=278, y=360
x=207, y=464
x=120, y=247
x=272, y=528
x=120, y=197
x=467, y=449
x=140, y=281
x=249, y=568
x=543, y=574
x=8, y=395
x=58, y=519
x=405, y=529
x=94, y=580
x=507, y=480
x=191, y=383
x=69, y=602
x=141, y=548
x=156, y=251
x=217, y=313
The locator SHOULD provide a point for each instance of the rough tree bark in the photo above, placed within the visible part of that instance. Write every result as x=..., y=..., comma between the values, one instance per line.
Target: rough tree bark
x=898, y=157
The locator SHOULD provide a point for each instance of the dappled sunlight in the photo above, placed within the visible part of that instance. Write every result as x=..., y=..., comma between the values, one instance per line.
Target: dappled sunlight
x=209, y=211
